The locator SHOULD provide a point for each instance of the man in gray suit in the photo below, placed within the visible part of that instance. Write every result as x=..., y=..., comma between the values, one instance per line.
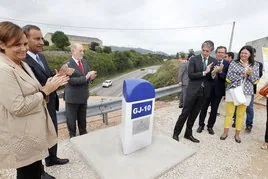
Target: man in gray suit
x=184, y=79
x=76, y=91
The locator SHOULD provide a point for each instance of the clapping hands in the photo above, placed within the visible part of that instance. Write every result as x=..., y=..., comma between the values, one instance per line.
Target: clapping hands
x=217, y=69
x=208, y=68
x=54, y=83
x=65, y=70
x=91, y=75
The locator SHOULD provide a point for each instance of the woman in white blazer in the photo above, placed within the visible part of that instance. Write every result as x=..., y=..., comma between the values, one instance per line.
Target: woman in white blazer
x=26, y=130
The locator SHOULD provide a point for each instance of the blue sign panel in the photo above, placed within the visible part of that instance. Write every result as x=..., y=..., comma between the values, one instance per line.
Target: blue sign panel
x=141, y=109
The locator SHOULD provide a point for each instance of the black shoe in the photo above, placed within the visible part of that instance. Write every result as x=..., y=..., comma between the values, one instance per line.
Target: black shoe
x=175, y=137
x=237, y=139
x=72, y=135
x=56, y=161
x=233, y=125
x=83, y=133
x=45, y=175
x=191, y=138
x=210, y=131
x=199, y=129
x=223, y=137
x=180, y=106
x=248, y=129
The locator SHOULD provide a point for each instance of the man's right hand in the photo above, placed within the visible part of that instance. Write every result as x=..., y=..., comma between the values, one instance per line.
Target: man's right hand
x=208, y=68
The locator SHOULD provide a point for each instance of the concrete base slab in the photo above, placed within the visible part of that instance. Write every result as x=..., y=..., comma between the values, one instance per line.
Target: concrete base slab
x=102, y=150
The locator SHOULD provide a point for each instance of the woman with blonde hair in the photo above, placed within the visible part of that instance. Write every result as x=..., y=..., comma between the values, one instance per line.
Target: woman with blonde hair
x=243, y=71
x=25, y=125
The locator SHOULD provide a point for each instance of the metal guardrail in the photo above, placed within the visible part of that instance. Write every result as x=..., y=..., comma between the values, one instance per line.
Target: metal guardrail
x=103, y=107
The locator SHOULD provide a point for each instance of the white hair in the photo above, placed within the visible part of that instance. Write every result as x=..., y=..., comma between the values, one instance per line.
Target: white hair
x=74, y=46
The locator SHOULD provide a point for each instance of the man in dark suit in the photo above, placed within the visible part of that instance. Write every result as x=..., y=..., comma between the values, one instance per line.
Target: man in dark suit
x=76, y=91
x=199, y=87
x=217, y=92
x=39, y=66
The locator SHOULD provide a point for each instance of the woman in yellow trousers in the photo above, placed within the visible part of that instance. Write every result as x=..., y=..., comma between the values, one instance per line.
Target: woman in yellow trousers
x=243, y=71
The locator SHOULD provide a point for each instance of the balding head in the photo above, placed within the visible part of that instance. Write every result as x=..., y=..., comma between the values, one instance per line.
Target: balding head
x=77, y=51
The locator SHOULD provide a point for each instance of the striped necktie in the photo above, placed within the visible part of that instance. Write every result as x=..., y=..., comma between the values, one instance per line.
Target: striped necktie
x=40, y=62
x=204, y=63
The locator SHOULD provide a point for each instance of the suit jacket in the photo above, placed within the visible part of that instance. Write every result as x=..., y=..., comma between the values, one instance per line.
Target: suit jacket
x=196, y=78
x=26, y=128
x=42, y=75
x=218, y=85
x=76, y=91
x=183, y=73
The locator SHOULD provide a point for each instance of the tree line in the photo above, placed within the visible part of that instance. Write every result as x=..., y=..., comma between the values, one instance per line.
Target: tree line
x=100, y=59
x=106, y=63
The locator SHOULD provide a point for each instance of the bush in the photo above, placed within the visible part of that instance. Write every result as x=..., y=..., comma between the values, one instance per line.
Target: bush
x=105, y=64
x=107, y=49
x=98, y=49
x=56, y=59
x=166, y=75
x=93, y=46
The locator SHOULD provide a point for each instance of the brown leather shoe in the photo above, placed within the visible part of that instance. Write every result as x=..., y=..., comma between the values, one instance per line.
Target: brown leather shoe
x=248, y=129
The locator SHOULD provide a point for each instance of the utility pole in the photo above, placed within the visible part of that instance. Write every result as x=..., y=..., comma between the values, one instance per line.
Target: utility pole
x=231, y=39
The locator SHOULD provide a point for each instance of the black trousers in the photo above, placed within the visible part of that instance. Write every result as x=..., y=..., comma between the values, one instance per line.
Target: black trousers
x=76, y=112
x=266, y=131
x=189, y=113
x=214, y=102
x=52, y=112
x=32, y=171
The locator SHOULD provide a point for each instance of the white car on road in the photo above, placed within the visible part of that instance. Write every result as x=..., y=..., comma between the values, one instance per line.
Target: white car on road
x=107, y=83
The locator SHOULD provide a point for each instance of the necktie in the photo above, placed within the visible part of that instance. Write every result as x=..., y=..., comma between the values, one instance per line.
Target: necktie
x=80, y=66
x=204, y=68
x=204, y=63
x=40, y=62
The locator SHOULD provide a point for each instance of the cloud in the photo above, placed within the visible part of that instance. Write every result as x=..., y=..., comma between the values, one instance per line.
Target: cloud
x=250, y=16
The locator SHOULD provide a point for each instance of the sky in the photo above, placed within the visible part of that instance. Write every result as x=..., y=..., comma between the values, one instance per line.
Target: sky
x=181, y=24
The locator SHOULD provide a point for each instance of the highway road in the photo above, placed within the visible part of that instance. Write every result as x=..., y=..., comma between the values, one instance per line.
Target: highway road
x=116, y=89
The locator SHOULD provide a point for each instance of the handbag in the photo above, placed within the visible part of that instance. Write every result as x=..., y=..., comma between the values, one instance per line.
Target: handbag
x=238, y=95
x=264, y=90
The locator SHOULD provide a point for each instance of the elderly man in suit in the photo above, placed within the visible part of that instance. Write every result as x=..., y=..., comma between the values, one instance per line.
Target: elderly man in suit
x=76, y=91
x=39, y=66
x=199, y=87
x=217, y=92
x=184, y=79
